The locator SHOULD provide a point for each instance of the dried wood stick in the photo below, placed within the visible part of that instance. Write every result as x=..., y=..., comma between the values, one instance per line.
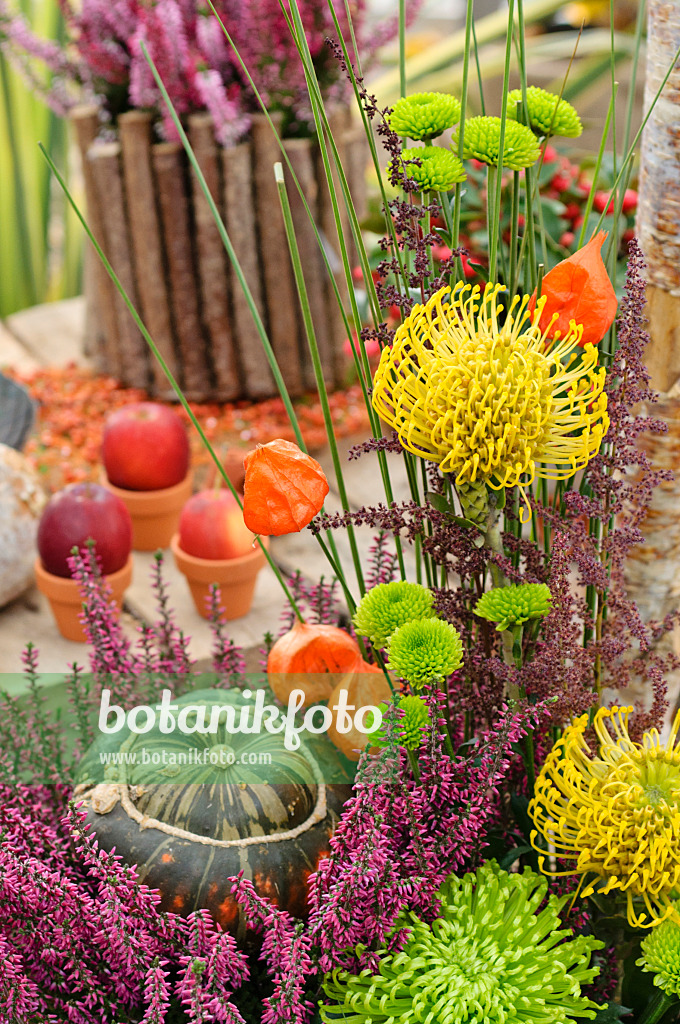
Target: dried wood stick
x=103, y=338
x=240, y=220
x=301, y=157
x=170, y=169
x=279, y=285
x=141, y=195
x=212, y=260
x=339, y=121
x=104, y=160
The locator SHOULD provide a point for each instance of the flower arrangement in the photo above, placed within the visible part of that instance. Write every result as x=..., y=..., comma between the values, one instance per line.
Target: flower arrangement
x=509, y=847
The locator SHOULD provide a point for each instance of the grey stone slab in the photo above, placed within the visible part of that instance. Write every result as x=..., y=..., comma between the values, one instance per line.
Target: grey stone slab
x=265, y=614
x=29, y=619
x=14, y=355
x=52, y=333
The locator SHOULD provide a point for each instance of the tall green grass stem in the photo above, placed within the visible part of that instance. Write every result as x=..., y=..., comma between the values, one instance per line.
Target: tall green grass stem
x=318, y=370
x=496, y=196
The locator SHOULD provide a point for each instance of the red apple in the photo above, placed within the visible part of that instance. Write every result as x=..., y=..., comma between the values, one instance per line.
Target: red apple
x=78, y=513
x=145, y=447
x=211, y=526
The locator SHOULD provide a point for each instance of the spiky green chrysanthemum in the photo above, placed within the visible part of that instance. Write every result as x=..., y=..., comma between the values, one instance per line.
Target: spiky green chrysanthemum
x=548, y=114
x=408, y=729
x=514, y=604
x=492, y=956
x=661, y=956
x=425, y=115
x=389, y=605
x=425, y=651
x=435, y=169
x=482, y=140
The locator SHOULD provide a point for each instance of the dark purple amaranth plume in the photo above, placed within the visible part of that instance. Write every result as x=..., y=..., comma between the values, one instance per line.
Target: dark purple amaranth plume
x=620, y=484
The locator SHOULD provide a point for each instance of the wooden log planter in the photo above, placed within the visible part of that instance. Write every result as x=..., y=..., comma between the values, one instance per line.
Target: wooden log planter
x=149, y=215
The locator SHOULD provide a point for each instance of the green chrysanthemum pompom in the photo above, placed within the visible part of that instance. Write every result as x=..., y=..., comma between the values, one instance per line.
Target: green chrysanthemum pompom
x=437, y=170
x=514, y=604
x=425, y=651
x=493, y=955
x=548, y=114
x=389, y=605
x=482, y=140
x=424, y=115
x=661, y=956
x=408, y=729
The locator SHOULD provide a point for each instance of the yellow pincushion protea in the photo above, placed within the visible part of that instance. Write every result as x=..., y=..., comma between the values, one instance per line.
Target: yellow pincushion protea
x=486, y=398
x=617, y=815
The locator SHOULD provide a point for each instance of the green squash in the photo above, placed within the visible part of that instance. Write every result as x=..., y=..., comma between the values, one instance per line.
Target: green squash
x=189, y=827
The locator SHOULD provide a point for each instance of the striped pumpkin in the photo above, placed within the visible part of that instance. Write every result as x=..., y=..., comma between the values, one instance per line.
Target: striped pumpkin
x=189, y=829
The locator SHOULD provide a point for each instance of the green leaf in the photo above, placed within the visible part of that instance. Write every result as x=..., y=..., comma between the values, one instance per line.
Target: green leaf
x=513, y=855
x=638, y=988
x=611, y=1013
x=438, y=501
x=479, y=270
x=443, y=505
x=519, y=804
x=497, y=499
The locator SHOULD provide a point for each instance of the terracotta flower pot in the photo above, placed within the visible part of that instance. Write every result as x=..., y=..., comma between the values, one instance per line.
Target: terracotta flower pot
x=155, y=514
x=236, y=578
x=66, y=601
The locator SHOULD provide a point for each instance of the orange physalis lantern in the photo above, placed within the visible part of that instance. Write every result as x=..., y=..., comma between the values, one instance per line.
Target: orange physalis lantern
x=312, y=657
x=366, y=686
x=579, y=289
x=284, y=489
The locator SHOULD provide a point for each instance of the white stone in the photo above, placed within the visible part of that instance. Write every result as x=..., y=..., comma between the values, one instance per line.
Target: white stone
x=21, y=502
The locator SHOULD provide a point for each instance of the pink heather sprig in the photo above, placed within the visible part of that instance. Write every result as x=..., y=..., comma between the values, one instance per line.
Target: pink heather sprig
x=227, y=657
x=323, y=602
x=156, y=993
x=211, y=40
x=231, y=124
x=163, y=31
x=206, y=982
x=171, y=643
x=357, y=894
x=213, y=969
x=38, y=739
x=286, y=949
x=298, y=586
x=110, y=654
x=18, y=995
x=382, y=561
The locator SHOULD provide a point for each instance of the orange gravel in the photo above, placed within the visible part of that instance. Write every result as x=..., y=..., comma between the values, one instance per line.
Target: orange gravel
x=74, y=403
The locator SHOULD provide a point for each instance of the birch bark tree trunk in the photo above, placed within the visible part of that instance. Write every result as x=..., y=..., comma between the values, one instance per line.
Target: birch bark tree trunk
x=654, y=566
